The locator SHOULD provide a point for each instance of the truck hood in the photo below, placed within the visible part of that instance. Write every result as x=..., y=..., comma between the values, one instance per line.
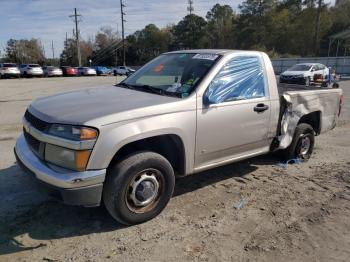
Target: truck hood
x=295, y=73
x=80, y=107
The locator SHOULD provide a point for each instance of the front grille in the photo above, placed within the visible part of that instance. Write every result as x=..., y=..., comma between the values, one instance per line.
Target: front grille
x=36, y=122
x=32, y=141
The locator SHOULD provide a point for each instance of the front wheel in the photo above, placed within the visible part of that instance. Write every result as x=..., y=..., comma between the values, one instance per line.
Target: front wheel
x=139, y=187
x=302, y=144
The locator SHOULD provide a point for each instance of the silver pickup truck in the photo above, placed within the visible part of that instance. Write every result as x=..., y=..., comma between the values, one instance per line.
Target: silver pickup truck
x=181, y=113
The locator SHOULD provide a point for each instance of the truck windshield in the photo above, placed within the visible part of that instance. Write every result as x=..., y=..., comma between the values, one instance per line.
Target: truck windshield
x=175, y=74
x=300, y=68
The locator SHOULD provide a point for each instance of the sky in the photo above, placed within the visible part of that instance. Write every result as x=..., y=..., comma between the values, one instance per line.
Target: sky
x=49, y=20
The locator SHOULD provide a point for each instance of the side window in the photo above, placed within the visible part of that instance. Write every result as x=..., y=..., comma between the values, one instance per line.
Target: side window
x=241, y=78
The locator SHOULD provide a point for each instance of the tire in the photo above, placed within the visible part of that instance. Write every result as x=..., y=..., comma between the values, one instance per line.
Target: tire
x=324, y=84
x=121, y=197
x=307, y=81
x=303, y=133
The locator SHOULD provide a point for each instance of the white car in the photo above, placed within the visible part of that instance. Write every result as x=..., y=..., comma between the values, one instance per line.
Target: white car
x=52, y=71
x=9, y=70
x=86, y=71
x=28, y=70
x=306, y=74
x=122, y=70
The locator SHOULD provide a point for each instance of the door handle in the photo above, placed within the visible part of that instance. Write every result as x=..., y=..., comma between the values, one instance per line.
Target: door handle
x=261, y=108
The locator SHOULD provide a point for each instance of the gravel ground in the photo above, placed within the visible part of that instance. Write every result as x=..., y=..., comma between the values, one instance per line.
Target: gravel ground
x=248, y=211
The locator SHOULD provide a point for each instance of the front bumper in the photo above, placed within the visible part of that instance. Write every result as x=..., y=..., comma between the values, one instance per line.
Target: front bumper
x=71, y=187
x=292, y=80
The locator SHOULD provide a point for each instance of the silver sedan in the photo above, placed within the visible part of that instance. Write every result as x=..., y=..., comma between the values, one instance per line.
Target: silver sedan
x=52, y=71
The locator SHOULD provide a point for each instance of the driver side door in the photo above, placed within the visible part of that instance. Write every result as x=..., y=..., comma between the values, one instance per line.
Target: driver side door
x=233, y=119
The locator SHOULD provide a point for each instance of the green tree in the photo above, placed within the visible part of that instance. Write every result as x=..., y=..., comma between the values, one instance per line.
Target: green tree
x=105, y=47
x=220, y=31
x=189, y=32
x=148, y=43
x=24, y=51
x=254, y=23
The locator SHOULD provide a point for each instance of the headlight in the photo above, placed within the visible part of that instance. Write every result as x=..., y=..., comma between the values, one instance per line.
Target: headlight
x=67, y=158
x=76, y=133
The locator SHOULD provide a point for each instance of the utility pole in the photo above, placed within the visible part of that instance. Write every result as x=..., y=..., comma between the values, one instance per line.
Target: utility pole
x=190, y=8
x=77, y=34
x=123, y=37
x=317, y=29
x=53, y=50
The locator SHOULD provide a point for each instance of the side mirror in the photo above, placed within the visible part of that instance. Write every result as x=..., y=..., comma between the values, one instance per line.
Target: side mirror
x=313, y=70
x=207, y=101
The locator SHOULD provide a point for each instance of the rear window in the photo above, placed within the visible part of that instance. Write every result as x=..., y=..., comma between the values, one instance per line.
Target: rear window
x=10, y=65
x=33, y=65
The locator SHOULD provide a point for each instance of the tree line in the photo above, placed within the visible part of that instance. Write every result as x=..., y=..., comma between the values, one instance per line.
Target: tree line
x=285, y=28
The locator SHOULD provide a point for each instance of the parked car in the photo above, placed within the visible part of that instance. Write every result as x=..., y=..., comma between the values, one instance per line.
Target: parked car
x=9, y=70
x=102, y=70
x=30, y=70
x=182, y=113
x=86, y=71
x=122, y=70
x=306, y=74
x=69, y=71
x=52, y=71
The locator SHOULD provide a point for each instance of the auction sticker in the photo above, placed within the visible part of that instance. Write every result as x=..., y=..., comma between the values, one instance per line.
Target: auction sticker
x=205, y=56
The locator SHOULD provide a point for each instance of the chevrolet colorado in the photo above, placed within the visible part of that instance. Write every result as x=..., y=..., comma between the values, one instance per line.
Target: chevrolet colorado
x=181, y=113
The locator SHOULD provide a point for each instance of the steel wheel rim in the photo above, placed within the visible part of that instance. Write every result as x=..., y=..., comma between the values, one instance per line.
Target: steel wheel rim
x=144, y=190
x=305, y=145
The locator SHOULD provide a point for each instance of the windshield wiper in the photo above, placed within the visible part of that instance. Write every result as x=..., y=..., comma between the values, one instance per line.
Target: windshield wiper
x=150, y=88
x=125, y=85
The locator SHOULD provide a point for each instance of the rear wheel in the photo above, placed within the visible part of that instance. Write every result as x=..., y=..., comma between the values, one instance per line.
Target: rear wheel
x=139, y=187
x=302, y=144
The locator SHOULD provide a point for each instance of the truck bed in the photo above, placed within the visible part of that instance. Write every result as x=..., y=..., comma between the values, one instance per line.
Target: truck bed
x=296, y=101
x=282, y=88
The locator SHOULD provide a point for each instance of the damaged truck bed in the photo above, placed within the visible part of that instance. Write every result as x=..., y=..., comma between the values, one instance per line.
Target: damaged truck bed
x=319, y=107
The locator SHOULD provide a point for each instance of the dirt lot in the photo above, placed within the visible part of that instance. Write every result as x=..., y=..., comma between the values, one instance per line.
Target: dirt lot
x=298, y=213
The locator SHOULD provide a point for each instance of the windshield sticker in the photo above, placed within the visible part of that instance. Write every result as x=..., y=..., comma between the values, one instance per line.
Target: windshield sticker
x=205, y=56
x=158, y=68
x=183, y=55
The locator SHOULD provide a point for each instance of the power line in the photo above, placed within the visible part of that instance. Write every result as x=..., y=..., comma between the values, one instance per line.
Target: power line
x=77, y=34
x=123, y=37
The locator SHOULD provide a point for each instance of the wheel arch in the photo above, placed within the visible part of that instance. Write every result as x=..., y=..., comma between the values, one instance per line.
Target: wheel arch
x=313, y=119
x=170, y=146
